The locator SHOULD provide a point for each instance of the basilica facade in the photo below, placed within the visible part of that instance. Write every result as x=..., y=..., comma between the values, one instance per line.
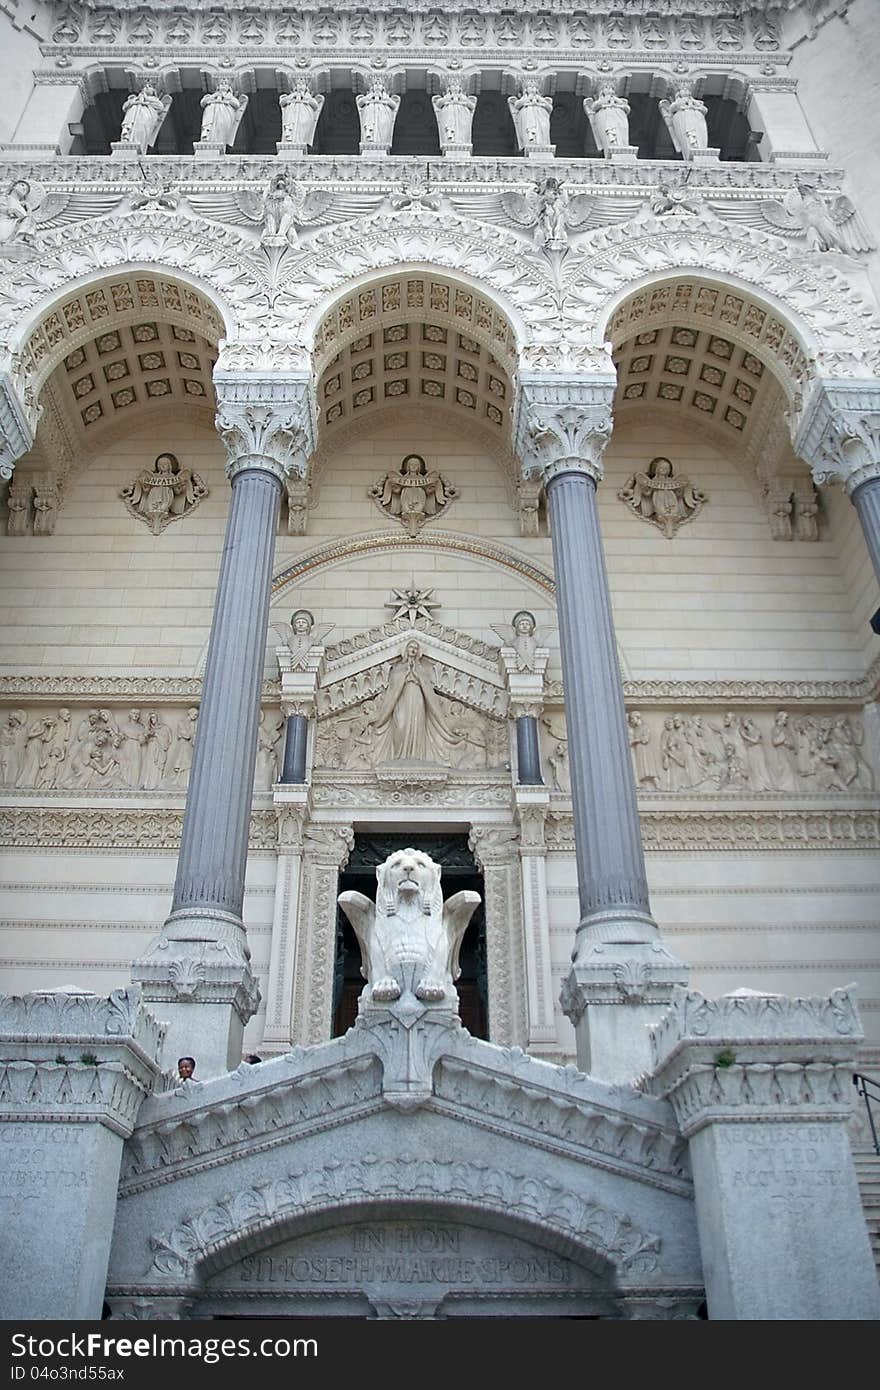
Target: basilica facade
x=451, y=430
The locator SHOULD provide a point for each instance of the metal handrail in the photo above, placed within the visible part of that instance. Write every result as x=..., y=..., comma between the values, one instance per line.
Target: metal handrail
x=869, y=1089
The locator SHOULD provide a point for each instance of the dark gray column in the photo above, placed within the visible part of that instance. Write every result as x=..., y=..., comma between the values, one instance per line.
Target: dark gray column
x=213, y=850
x=612, y=885
x=295, y=745
x=865, y=498
x=528, y=754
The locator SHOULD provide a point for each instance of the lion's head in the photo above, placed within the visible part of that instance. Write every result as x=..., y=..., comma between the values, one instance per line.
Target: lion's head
x=409, y=875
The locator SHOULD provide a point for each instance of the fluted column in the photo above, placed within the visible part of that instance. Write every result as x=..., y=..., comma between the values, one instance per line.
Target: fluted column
x=563, y=427
x=839, y=437
x=199, y=968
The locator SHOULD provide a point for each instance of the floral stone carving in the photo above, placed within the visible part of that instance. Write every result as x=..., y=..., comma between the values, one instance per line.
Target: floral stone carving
x=414, y=494
x=162, y=493
x=409, y=938
x=662, y=498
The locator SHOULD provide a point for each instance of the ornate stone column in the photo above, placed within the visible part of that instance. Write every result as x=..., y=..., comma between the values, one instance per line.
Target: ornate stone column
x=839, y=437
x=75, y=1069
x=525, y=683
x=761, y=1087
x=495, y=849
x=198, y=971
x=325, y=851
x=622, y=973
x=532, y=804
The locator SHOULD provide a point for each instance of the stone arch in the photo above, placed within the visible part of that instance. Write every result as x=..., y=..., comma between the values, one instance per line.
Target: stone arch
x=256, y=1217
x=833, y=330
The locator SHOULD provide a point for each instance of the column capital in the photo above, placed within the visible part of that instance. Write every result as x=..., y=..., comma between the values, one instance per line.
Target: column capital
x=265, y=422
x=839, y=433
x=751, y=1057
x=563, y=424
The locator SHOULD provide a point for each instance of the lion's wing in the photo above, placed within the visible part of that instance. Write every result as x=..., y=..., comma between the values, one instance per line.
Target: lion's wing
x=457, y=913
x=361, y=912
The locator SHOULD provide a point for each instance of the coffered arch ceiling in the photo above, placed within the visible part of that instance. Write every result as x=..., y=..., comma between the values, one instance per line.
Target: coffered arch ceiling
x=415, y=338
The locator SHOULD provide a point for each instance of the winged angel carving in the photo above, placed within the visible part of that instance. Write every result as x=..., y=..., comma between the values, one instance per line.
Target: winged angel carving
x=549, y=210
x=280, y=211
x=823, y=222
x=26, y=209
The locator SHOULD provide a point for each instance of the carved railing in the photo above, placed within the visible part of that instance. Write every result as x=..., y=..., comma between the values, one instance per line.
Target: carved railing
x=869, y=1090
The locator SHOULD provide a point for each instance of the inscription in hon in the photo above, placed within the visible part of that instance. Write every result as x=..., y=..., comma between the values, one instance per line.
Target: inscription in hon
x=404, y=1253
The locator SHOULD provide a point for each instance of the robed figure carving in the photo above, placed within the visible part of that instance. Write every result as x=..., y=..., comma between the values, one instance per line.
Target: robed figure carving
x=409, y=721
x=413, y=494
x=662, y=498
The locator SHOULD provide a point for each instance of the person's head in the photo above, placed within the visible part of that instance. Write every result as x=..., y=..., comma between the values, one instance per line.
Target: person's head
x=523, y=623
x=661, y=468
x=412, y=649
x=21, y=187
x=186, y=1067
x=413, y=463
x=302, y=622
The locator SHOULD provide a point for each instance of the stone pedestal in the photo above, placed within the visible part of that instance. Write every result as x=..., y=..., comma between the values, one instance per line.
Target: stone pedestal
x=613, y=996
x=761, y=1087
x=120, y=149
x=74, y=1069
x=208, y=149
x=624, y=154
x=532, y=805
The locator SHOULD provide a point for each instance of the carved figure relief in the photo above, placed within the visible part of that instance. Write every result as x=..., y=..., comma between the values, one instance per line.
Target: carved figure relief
x=268, y=749
x=454, y=110
x=820, y=222
x=645, y=762
x=25, y=209
x=222, y=112
x=409, y=721
x=414, y=494
x=142, y=116
x=521, y=634
x=281, y=210
x=164, y=492
x=409, y=938
x=661, y=498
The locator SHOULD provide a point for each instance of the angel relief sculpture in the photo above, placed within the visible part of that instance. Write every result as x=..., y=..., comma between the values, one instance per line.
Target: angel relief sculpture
x=26, y=209
x=300, y=636
x=549, y=211
x=661, y=498
x=413, y=494
x=820, y=221
x=281, y=210
x=163, y=492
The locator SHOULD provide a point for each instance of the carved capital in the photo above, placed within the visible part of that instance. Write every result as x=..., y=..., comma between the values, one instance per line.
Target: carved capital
x=563, y=425
x=265, y=422
x=493, y=845
x=752, y=1056
x=839, y=433
x=329, y=844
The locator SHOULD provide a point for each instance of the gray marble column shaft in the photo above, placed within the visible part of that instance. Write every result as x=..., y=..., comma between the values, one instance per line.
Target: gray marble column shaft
x=213, y=850
x=866, y=500
x=528, y=754
x=612, y=885
x=295, y=744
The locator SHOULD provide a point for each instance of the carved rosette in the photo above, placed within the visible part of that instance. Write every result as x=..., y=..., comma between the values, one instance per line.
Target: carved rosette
x=265, y=422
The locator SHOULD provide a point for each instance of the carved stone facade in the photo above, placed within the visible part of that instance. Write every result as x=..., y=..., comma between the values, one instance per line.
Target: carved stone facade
x=433, y=309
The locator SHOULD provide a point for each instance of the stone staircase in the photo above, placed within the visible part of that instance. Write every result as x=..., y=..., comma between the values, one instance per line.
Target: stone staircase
x=868, y=1173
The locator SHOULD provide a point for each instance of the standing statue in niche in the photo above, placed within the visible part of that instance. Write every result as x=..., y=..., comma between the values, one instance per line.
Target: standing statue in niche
x=142, y=117
x=163, y=492
x=531, y=117
x=454, y=110
x=414, y=494
x=378, y=112
x=222, y=111
x=685, y=119
x=409, y=938
x=300, y=636
x=661, y=498
x=300, y=109
x=409, y=721
x=608, y=115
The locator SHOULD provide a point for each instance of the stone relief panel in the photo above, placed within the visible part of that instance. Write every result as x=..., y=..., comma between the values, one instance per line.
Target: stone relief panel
x=414, y=494
x=735, y=752
x=411, y=709
x=114, y=749
x=663, y=498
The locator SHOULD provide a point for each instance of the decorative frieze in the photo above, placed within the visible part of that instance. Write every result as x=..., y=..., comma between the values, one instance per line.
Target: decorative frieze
x=749, y=831
x=120, y=828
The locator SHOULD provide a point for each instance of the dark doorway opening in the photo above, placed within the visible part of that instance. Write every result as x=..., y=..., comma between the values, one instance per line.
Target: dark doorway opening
x=459, y=871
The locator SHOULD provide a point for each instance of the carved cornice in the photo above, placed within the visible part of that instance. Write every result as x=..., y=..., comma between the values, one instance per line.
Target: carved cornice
x=744, y=831
x=755, y=1057
x=84, y=689
x=119, y=829
x=67, y=1056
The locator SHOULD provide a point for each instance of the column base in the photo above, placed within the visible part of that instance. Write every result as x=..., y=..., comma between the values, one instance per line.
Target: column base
x=707, y=156
x=457, y=151
x=375, y=149
x=613, y=994
x=540, y=152
x=623, y=154
x=208, y=149
x=288, y=151
x=120, y=150
x=197, y=977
